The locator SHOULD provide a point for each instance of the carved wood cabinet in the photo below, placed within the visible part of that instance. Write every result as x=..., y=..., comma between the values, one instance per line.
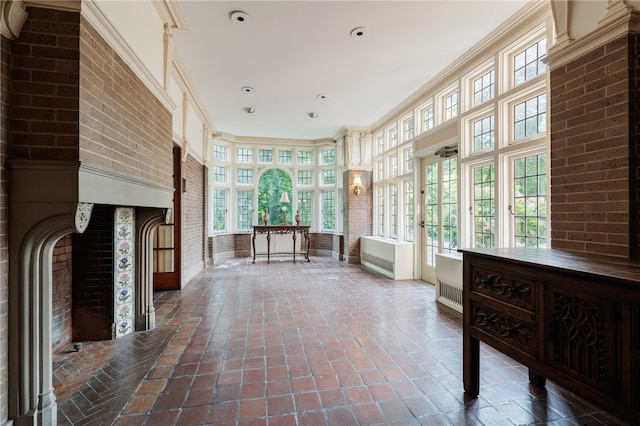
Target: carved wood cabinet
x=572, y=318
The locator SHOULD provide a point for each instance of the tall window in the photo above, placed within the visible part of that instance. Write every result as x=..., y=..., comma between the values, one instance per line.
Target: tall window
x=530, y=117
x=483, y=88
x=408, y=160
x=245, y=176
x=484, y=205
x=245, y=155
x=245, y=210
x=432, y=213
x=528, y=63
x=219, y=210
x=220, y=152
x=328, y=210
x=265, y=155
x=529, y=208
x=381, y=213
x=305, y=206
x=393, y=137
x=451, y=106
x=380, y=169
x=483, y=134
x=408, y=210
x=450, y=204
x=427, y=119
x=393, y=198
x=393, y=164
x=380, y=144
x=219, y=174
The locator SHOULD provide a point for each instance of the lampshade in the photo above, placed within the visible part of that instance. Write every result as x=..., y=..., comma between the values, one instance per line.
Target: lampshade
x=357, y=181
x=284, y=198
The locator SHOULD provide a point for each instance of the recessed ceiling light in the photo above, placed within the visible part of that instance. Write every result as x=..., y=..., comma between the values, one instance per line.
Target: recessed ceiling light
x=359, y=32
x=322, y=96
x=239, y=16
x=313, y=114
x=249, y=110
x=246, y=89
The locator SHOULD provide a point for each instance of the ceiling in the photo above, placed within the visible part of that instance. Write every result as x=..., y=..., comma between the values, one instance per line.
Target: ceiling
x=290, y=52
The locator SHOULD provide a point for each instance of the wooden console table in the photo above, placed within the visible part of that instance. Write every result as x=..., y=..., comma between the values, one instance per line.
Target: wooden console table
x=294, y=230
x=572, y=318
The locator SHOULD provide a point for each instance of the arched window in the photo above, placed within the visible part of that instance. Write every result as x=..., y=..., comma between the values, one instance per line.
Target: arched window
x=271, y=186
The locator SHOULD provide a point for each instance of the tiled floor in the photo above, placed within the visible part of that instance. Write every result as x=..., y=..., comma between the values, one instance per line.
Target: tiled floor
x=301, y=344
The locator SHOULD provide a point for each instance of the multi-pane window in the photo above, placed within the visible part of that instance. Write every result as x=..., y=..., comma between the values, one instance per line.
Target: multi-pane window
x=380, y=144
x=427, y=119
x=328, y=156
x=483, y=88
x=265, y=155
x=393, y=137
x=528, y=63
x=380, y=169
x=393, y=204
x=530, y=117
x=305, y=206
x=219, y=174
x=304, y=177
x=529, y=210
x=484, y=205
x=408, y=210
x=483, y=134
x=220, y=152
x=245, y=210
x=245, y=176
x=245, y=155
x=450, y=204
x=305, y=157
x=219, y=214
x=328, y=210
x=380, y=191
x=284, y=156
x=408, y=160
x=328, y=177
x=408, y=129
x=451, y=106
x=432, y=213
x=393, y=164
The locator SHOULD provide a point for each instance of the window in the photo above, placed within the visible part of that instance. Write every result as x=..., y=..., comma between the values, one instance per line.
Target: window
x=530, y=117
x=483, y=88
x=451, y=106
x=427, y=119
x=328, y=177
x=284, y=156
x=393, y=137
x=245, y=155
x=265, y=155
x=220, y=152
x=328, y=210
x=380, y=144
x=380, y=169
x=528, y=63
x=529, y=210
x=305, y=206
x=219, y=213
x=328, y=156
x=305, y=157
x=450, y=204
x=432, y=213
x=245, y=210
x=484, y=205
x=408, y=210
x=380, y=190
x=393, y=198
x=483, y=134
x=245, y=176
x=408, y=160
x=304, y=177
x=393, y=164
x=408, y=129
x=219, y=174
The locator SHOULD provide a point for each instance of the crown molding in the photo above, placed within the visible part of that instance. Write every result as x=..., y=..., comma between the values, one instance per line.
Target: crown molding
x=229, y=138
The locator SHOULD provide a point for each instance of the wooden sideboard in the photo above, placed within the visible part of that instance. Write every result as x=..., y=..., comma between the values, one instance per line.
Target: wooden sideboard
x=571, y=318
x=294, y=230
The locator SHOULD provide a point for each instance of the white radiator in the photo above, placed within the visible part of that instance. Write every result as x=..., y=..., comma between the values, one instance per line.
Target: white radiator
x=449, y=277
x=391, y=258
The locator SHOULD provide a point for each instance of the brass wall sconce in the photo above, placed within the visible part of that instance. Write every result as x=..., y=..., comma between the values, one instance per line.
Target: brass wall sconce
x=357, y=185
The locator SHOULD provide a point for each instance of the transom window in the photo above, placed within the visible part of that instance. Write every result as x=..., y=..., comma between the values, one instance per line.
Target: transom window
x=220, y=152
x=265, y=155
x=305, y=157
x=245, y=155
x=483, y=134
x=328, y=177
x=245, y=176
x=483, y=88
x=284, y=156
x=408, y=129
x=304, y=177
x=451, y=106
x=530, y=117
x=328, y=156
x=219, y=174
x=427, y=119
x=528, y=63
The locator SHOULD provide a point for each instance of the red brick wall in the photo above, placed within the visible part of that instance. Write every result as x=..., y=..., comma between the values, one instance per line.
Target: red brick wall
x=62, y=325
x=44, y=86
x=358, y=219
x=93, y=277
x=123, y=126
x=5, y=49
x=591, y=177
x=193, y=223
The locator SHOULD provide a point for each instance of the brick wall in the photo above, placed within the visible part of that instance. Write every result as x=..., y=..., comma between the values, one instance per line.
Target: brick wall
x=358, y=214
x=62, y=326
x=44, y=86
x=634, y=149
x=193, y=220
x=591, y=177
x=5, y=49
x=93, y=277
x=123, y=126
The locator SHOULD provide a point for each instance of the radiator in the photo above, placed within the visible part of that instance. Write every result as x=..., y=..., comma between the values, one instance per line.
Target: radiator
x=391, y=258
x=449, y=280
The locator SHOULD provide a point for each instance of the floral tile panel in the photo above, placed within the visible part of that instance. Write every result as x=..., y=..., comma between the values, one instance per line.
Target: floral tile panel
x=124, y=273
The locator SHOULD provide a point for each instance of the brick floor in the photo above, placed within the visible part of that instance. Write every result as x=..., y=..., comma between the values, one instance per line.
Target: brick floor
x=301, y=344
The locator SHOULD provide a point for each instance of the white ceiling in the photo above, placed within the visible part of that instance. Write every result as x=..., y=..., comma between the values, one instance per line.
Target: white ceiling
x=289, y=52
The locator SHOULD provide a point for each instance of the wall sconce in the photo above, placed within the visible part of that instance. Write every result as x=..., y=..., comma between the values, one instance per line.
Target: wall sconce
x=284, y=198
x=357, y=184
